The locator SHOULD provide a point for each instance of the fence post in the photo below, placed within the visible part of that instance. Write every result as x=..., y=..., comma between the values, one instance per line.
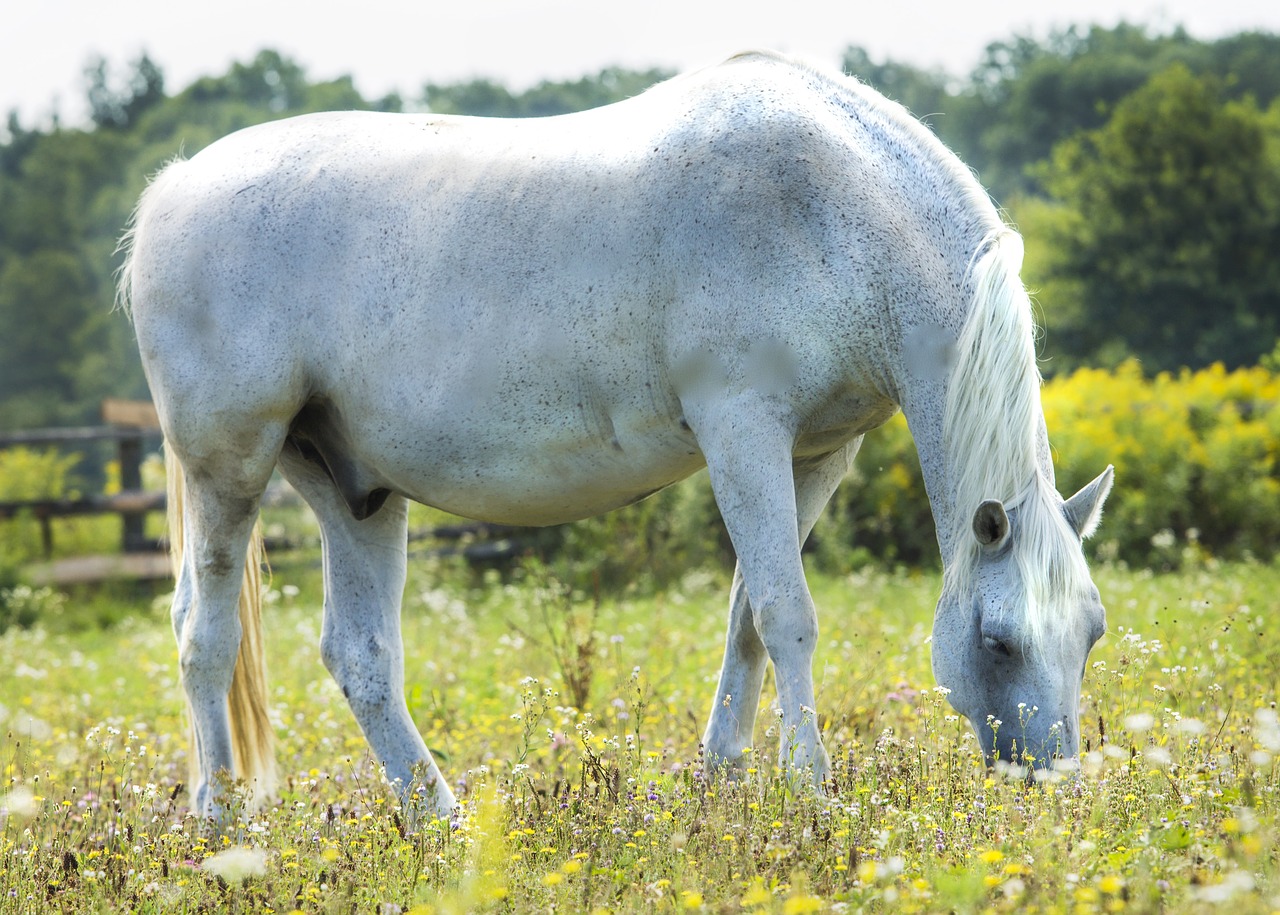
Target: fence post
x=133, y=524
x=137, y=416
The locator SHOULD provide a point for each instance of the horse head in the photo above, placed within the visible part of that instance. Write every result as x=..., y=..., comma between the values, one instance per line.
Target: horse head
x=1015, y=670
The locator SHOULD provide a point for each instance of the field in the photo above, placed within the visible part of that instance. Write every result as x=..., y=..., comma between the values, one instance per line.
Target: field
x=571, y=725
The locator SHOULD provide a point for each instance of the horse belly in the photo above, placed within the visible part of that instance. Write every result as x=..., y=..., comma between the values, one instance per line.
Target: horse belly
x=535, y=479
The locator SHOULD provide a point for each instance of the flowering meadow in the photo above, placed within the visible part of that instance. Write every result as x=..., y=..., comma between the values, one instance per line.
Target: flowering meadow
x=570, y=726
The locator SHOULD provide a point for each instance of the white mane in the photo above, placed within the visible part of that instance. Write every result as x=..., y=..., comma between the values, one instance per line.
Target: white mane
x=993, y=428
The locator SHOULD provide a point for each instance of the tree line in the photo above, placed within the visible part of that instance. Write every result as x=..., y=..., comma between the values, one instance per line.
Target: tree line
x=1143, y=169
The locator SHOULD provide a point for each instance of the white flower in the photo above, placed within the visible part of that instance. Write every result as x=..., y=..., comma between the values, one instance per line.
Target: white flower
x=237, y=864
x=1140, y=723
x=21, y=802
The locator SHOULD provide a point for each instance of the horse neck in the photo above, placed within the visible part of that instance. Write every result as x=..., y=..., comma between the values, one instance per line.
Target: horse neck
x=979, y=430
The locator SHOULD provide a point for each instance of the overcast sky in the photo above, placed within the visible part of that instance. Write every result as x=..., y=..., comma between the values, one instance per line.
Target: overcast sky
x=398, y=46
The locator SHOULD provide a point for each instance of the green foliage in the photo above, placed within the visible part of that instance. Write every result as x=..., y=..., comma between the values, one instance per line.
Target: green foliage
x=1197, y=458
x=880, y=512
x=489, y=99
x=22, y=605
x=27, y=474
x=923, y=92
x=1169, y=227
x=1032, y=95
x=120, y=108
x=641, y=547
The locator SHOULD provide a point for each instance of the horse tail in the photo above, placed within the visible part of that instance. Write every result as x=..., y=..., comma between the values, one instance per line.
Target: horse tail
x=252, y=737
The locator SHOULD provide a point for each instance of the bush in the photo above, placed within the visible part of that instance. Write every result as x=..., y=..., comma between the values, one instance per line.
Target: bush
x=1195, y=457
x=29, y=474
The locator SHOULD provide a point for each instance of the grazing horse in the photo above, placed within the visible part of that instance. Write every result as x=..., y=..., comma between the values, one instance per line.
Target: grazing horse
x=532, y=321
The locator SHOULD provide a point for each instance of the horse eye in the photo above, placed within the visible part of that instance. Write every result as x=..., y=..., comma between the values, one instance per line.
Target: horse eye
x=996, y=646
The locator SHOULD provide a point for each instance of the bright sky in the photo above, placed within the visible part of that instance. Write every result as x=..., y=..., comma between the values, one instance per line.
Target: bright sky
x=391, y=45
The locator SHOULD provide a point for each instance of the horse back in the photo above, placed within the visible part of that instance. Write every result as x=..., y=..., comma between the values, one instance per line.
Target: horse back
x=536, y=286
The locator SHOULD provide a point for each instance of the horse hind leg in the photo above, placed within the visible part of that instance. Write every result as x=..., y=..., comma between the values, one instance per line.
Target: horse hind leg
x=364, y=568
x=213, y=510
x=731, y=726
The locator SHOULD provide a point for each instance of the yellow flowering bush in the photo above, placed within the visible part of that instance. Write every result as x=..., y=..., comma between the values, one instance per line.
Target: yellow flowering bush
x=1195, y=456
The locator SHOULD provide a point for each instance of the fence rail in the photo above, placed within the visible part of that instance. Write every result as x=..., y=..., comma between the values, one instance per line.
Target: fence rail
x=130, y=425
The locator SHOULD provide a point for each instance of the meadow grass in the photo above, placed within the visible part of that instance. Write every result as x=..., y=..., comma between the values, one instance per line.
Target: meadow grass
x=570, y=726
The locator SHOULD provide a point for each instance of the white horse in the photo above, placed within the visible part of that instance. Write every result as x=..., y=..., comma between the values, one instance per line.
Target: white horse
x=533, y=321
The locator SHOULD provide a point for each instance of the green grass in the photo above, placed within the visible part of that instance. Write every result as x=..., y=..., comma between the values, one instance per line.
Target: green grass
x=571, y=727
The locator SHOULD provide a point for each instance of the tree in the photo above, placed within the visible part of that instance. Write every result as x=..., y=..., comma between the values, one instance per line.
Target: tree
x=1169, y=226
x=1029, y=96
x=923, y=92
x=66, y=195
x=118, y=109
x=489, y=99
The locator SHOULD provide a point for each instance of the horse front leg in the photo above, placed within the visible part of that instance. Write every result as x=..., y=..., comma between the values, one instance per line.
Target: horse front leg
x=749, y=457
x=731, y=726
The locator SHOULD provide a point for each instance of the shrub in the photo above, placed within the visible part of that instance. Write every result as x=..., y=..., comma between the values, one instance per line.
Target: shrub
x=1195, y=457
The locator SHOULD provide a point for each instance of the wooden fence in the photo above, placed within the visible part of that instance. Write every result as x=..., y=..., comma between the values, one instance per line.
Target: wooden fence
x=131, y=425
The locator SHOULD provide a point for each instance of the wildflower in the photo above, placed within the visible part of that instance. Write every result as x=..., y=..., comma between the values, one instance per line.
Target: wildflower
x=691, y=900
x=552, y=878
x=756, y=895
x=801, y=904
x=1111, y=884
x=237, y=863
x=21, y=802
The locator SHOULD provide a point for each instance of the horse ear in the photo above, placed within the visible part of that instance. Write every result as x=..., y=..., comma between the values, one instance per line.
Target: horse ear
x=990, y=523
x=1084, y=509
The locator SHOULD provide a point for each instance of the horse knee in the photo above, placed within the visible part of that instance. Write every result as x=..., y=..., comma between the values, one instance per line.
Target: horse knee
x=787, y=627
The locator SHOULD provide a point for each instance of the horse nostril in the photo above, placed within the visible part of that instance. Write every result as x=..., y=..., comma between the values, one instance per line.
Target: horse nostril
x=996, y=646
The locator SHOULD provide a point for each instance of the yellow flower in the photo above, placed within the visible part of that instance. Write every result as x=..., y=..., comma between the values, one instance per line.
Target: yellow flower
x=691, y=900
x=801, y=905
x=572, y=867
x=991, y=856
x=1110, y=884
x=756, y=895
x=1086, y=894
x=552, y=878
